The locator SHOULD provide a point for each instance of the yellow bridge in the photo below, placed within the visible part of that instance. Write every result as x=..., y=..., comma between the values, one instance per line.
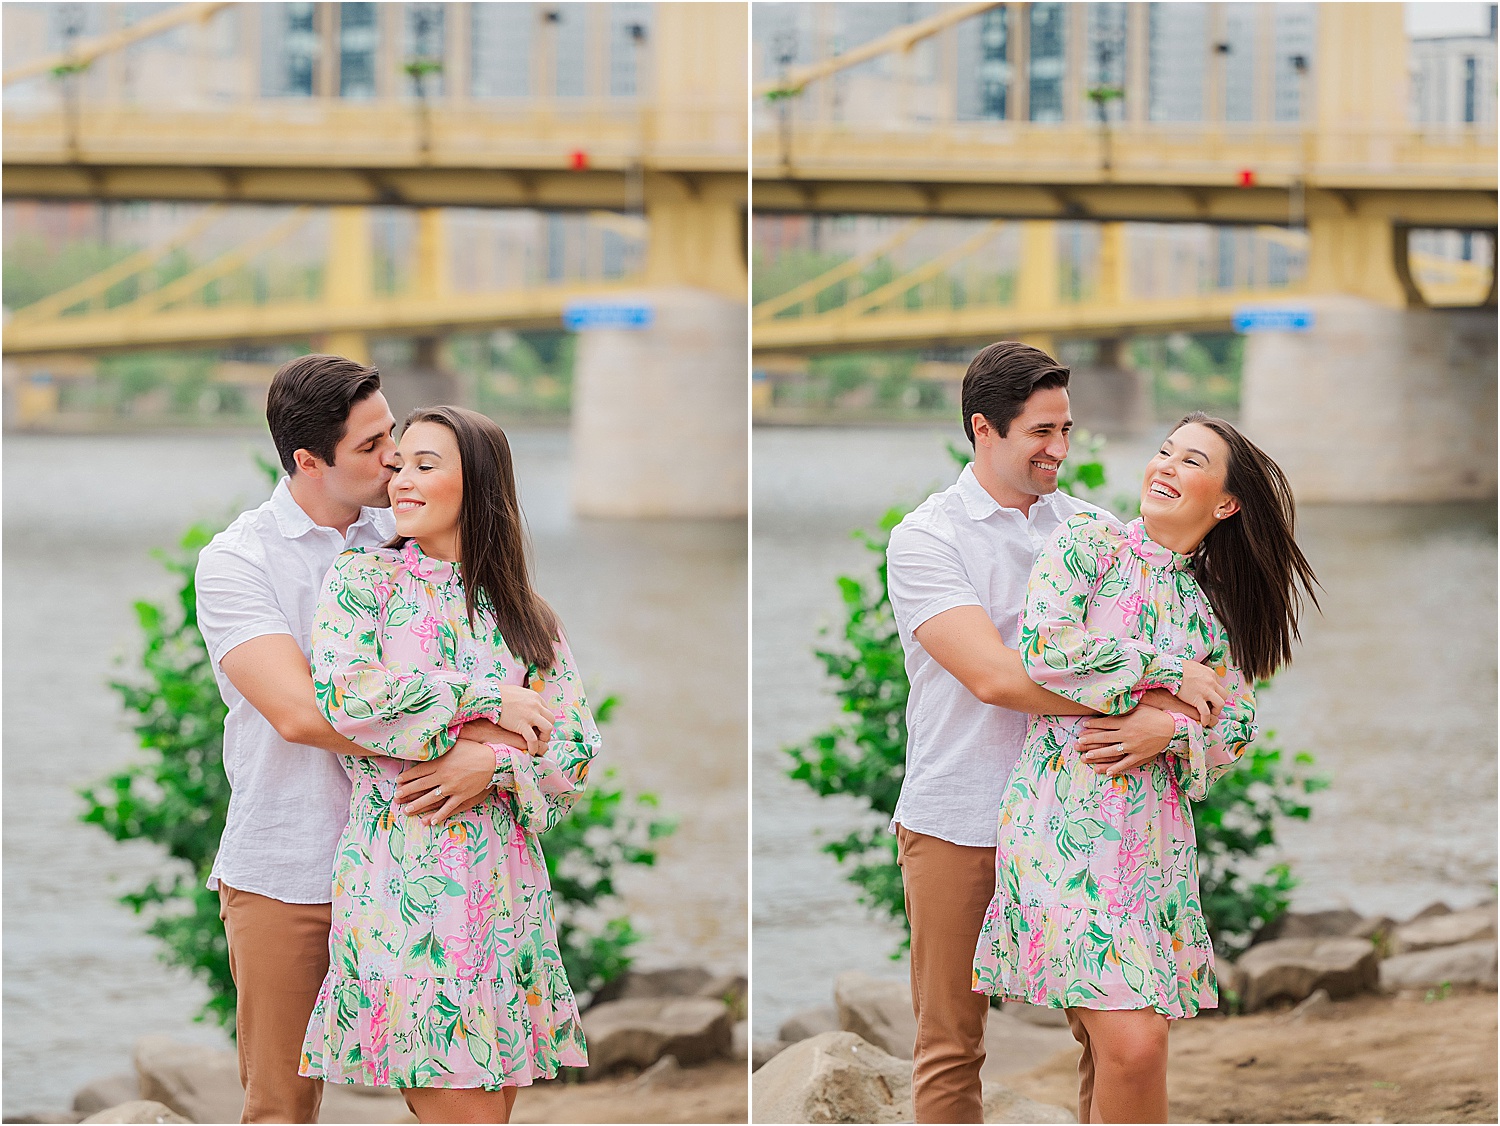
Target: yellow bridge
x=1356, y=175
x=677, y=159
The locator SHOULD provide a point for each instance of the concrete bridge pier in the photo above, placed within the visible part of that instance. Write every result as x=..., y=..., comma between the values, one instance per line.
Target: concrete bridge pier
x=1376, y=404
x=661, y=415
x=1110, y=398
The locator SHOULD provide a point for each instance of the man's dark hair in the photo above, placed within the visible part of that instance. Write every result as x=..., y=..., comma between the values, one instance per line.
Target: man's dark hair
x=1000, y=380
x=309, y=402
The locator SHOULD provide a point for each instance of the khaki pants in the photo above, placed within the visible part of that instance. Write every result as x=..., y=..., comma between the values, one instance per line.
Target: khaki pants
x=278, y=955
x=948, y=889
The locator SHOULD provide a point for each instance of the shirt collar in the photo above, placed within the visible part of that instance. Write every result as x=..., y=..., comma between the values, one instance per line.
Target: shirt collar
x=295, y=523
x=981, y=506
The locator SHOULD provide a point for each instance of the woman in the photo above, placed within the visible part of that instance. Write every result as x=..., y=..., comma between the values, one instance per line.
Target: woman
x=1096, y=905
x=445, y=978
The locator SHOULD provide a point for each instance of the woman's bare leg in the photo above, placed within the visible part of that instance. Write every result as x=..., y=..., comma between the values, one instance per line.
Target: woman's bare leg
x=469, y=1104
x=1130, y=1064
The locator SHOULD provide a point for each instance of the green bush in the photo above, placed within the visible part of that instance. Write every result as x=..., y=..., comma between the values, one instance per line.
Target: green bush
x=177, y=797
x=864, y=756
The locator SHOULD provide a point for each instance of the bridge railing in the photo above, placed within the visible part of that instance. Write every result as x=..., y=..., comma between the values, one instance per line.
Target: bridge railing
x=558, y=133
x=1443, y=156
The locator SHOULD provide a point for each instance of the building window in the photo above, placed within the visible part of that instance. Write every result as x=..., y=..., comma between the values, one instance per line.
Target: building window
x=1471, y=84
x=1105, y=61
x=994, y=63
x=1047, y=62
x=357, y=38
x=301, y=49
x=425, y=47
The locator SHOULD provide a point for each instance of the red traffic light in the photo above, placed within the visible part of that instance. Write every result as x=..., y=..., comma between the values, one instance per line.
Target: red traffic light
x=1247, y=178
x=578, y=160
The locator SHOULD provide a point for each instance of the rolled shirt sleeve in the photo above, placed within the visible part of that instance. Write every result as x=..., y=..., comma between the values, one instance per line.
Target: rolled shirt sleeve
x=925, y=576
x=236, y=602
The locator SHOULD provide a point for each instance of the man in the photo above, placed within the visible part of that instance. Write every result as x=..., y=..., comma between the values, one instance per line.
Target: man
x=257, y=586
x=958, y=568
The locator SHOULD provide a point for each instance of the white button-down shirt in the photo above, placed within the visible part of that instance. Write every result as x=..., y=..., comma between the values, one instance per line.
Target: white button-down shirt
x=960, y=547
x=288, y=803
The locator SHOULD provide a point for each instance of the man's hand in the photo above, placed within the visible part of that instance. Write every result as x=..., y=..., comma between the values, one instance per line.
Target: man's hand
x=1113, y=744
x=483, y=731
x=450, y=784
x=1161, y=698
x=527, y=714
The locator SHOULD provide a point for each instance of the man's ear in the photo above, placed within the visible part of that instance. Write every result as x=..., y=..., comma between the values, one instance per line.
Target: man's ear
x=309, y=464
x=982, y=427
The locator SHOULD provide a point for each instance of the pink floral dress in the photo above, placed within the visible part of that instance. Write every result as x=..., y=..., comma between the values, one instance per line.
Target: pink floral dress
x=1096, y=879
x=444, y=968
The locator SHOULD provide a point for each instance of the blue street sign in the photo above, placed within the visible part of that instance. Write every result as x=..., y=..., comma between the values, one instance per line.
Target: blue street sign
x=582, y=315
x=1252, y=318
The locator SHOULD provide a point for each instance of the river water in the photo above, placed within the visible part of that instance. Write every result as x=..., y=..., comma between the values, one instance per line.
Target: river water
x=1392, y=691
x=655, y=612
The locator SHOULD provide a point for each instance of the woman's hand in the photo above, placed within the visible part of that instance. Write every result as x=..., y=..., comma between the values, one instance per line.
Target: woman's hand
x=527, y=714
x=453, y=783
x=1202, y=691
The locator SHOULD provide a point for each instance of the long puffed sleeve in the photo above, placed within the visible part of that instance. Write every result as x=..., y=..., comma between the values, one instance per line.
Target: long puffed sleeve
x=542, y=789
x=1200, y=756
x=406, y=714
x=1098, y=670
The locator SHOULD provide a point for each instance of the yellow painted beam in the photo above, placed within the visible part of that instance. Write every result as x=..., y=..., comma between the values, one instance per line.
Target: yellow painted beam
x=916, y=328
x=85, y=53
x=1164, y=203
x=809, y=289
x=92, y=287
x=901, y=39
x=539, y=307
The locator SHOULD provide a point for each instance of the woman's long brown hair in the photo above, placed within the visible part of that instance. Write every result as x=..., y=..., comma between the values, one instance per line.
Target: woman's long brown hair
x=1249, y=564
x=491, y=539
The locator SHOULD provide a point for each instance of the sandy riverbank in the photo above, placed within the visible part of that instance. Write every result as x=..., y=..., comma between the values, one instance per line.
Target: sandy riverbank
x=1368, y=1059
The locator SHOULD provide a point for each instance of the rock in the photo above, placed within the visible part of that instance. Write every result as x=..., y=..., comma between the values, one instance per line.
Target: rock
x=1036, y=1014
x=1431, y=910
x=732, y=989
x=832, y=1077
x=1378, y=930
x=201, y=1084
x=1013, y=1045
x=633, y=985
x=763, y=1052
x=140, y=1110
x=642, y=1030
x=1310, y=924
x=1315, y=1007
x=659, y=1074
x=839, y=1077
x=1004, y=1105
x=739, y=1041
x=1468, y=963
x=111, y=1091
x=1292, y=968
x=809, y=1022
x=1473, y=925
x=878, y=1010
